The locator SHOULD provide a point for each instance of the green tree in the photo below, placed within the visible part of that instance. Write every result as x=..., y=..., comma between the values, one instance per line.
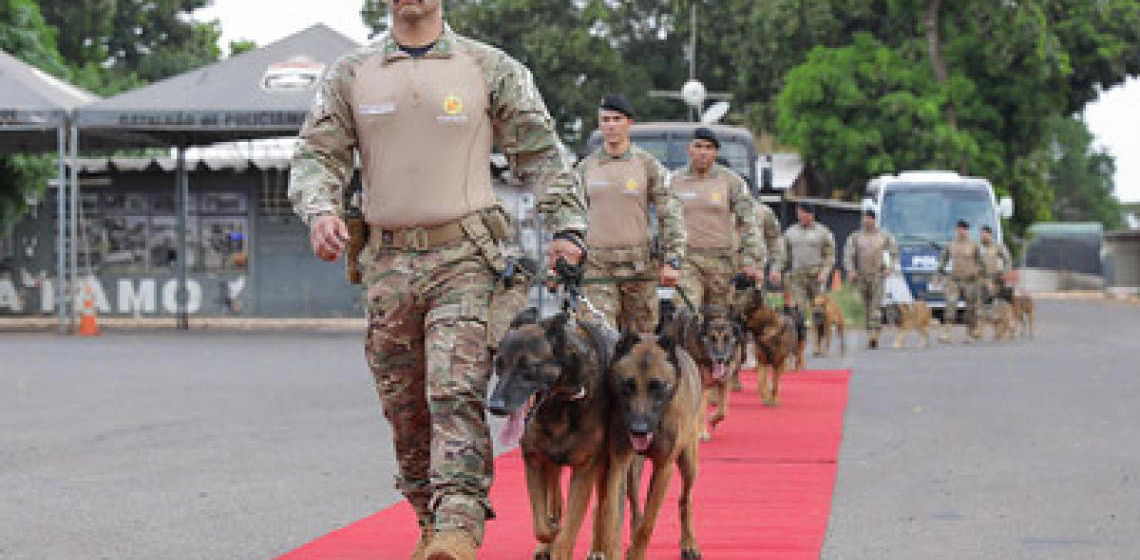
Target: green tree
x=115, y=45
x=1082, y=176
x=25, y=35
x=242, y=46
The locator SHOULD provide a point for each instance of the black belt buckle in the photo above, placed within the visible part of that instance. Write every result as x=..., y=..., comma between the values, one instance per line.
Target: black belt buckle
x=387, y=238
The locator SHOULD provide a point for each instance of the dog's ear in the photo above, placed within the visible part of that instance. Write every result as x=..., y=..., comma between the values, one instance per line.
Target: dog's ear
x=625, y=344
x=528, y=316
x=556, y=332
x=669, y=345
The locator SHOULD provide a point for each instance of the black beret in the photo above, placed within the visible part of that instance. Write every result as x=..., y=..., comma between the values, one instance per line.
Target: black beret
x=869, y=212
x=806, y=207
x=963, y=223
x=987, y=229
x=617, y=102
x=704, y=133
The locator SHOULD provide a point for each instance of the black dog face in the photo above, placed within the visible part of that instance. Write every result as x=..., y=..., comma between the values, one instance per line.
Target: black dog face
x=719, y=337
x=530, y=360
x=644, y=379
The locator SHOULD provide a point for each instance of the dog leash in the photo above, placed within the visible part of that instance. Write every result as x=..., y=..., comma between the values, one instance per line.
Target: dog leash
x=645, y=279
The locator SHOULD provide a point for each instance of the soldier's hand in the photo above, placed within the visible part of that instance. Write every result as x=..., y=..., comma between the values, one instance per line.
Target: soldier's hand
x=752, y=273
x=669, y=275
x=822, y=276
x=775, y=277
x=565, y=249
x=328, y=236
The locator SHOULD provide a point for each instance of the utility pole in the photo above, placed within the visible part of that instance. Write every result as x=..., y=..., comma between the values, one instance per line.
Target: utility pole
x=693, y=92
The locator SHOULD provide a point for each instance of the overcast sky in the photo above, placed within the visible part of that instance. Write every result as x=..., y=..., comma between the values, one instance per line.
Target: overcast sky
x=1115, y=118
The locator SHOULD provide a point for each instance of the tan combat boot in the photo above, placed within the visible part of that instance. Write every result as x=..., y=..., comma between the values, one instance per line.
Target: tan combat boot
x=451, y=545
x=426, y=534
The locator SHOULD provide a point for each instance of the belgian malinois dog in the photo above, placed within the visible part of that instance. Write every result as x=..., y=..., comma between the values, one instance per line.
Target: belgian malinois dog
x=552, y=385
x=714, y=340
x=656, y=414
x=826, y=317
x=778, y=340
x=914, y=316
x=1023, y=313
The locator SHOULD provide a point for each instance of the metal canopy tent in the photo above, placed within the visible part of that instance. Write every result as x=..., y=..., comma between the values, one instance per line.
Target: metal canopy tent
x=262, y=93
x=34, y=117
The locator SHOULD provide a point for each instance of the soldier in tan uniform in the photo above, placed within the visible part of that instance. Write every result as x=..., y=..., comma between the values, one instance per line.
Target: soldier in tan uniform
x=621, y=182
x=773, y=240
x=421, y=108
x=967, y=270
x=720, y=219
x=810, y=247
x=998, y=263
x=869, y=255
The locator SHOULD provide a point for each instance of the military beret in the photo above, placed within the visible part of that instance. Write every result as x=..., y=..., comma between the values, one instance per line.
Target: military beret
x=963, y=223
x=806, y=207
x=987, y=229
x=704, y=133
x=869, y=212
x=618, y=102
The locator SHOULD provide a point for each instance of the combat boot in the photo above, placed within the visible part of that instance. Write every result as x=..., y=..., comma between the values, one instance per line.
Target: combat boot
x=420, y=552
x=873, y=340
x=451, y=545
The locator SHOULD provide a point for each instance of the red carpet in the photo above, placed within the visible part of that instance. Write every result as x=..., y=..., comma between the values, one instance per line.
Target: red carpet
x=763, y=492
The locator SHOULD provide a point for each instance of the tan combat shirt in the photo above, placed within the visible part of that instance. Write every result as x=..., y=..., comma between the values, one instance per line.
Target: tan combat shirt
x=773, y=238
x=811, y=248
x=965, y=259
x=997, y=257
x=720, y=213
x=863, y=252
x=619, y=190
x=423, y=128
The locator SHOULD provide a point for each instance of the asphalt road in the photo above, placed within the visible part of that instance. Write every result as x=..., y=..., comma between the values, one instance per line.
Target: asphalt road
x=246, y=445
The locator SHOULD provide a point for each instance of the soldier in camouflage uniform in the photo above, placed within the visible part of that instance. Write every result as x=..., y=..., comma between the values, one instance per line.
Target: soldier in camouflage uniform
x=769, y=226
x=421, y=108
x=998, y=263
x=621, y=182
x=868, y=268
x=810, y=247
x=967, y=273
x=720, y=220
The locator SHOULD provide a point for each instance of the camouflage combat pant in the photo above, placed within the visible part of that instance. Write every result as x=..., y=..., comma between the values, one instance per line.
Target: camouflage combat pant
x=707, y=277
x=626, y=305
x=427, y=348
x=804, y=285
x=870, y=289
x=970, y=290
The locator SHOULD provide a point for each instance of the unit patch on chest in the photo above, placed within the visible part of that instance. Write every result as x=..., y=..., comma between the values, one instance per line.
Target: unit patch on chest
x=631, y=185
x=453, y=111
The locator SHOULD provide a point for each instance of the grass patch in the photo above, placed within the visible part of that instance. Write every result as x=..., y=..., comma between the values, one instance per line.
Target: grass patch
x=846, y=297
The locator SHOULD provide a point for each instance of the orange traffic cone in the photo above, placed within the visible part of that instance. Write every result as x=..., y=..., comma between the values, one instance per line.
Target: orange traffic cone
x=836, y=281
x=88, y=326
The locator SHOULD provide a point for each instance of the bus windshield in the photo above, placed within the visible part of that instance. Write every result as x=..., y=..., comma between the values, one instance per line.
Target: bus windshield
x=929, y=213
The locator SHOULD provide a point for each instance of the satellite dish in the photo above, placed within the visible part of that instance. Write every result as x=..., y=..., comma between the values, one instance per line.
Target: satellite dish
x=715, y=112
x=694, y=93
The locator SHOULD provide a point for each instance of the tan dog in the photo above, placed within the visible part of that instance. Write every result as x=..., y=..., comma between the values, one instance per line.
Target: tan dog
x=1000, y=317
x=656, y=413
x=914, y=316
x=826, y=316
x=1023, y=313
x=777, y=341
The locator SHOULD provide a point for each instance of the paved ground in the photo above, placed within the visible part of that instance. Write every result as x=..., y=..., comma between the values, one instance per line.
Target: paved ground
x=246, y=445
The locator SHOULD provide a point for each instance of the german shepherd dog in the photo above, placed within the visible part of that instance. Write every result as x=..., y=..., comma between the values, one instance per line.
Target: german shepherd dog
x=825, y=317
x=552, y=385
x=657, y=396
x=714, y=340
x=777, y=341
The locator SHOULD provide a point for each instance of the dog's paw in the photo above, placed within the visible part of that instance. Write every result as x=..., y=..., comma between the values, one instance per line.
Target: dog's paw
x=690, y=554
x=542, y=555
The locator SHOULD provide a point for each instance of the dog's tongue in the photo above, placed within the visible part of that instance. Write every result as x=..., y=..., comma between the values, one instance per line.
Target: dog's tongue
x=512, y=431
x=640, y=443
x=718, y=371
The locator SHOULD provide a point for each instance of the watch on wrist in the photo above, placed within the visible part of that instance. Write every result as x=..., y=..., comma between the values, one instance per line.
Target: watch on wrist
x=674, y=262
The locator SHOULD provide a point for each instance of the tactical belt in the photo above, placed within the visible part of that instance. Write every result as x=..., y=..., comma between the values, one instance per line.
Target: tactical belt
x=416, y=238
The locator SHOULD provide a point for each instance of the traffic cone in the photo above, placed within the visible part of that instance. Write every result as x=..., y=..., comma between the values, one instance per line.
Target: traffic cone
x=88, y=325
x=836, y=281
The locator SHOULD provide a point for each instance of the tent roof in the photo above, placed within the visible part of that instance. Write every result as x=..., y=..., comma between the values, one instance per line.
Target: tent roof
x=33, y=104
x=261, y=93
